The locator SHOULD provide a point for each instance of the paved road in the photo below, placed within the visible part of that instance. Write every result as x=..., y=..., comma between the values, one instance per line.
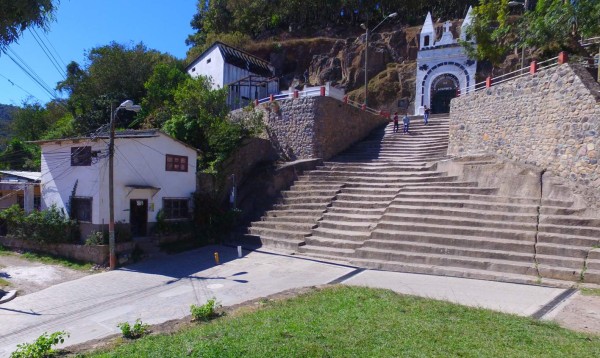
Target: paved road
x=163, y=289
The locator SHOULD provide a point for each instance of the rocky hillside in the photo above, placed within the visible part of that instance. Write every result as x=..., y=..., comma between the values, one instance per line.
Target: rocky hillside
x=391, y=63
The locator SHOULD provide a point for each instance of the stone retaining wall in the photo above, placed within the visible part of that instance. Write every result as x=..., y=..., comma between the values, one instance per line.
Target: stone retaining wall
x=550, y=119
x=316, y=127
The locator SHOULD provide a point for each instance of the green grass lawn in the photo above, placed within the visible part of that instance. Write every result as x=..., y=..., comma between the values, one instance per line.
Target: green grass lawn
x=359, y=322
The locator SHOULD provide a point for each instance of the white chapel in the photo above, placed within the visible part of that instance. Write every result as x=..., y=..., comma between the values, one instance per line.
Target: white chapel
x=443, y=68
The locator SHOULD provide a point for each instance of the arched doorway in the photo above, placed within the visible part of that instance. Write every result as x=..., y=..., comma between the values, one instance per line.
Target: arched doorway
x=443, y=89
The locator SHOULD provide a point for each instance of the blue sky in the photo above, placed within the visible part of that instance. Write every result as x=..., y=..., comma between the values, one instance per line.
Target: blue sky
x=81, y=25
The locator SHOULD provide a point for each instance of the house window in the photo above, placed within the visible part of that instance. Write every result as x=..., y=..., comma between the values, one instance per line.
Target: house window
x=208, y=61
x=176, y=163
x=175, y=208
x=426, y=42
x=81, y=208
x=81, y=156
x=193, y=69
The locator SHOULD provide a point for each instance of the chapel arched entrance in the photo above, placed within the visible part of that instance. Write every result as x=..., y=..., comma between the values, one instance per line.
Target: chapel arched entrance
x=443, y=89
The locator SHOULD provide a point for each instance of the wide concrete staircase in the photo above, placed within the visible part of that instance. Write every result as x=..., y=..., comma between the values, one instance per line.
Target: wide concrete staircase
x=384, y=204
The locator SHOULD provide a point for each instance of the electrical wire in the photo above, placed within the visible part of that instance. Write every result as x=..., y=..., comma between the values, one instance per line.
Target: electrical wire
x=16, y=85
x=48, y=53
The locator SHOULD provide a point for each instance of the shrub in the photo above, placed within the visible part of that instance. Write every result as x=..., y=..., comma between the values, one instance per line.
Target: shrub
x=204, y=312
x=132, y=332
x=46, y=226
x=95, y=238
x=42, y=347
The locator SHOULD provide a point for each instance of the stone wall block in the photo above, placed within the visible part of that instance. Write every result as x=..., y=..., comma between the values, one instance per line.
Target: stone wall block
x=550, y=119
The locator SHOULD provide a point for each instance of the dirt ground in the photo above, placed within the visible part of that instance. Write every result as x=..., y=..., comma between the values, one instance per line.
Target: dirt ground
x=580, y=313
x=27, y=277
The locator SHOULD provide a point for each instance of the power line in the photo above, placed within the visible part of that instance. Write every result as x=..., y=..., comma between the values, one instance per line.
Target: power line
x=48, y=53
x=16, y=85
x=56, y=52
x=31, y=75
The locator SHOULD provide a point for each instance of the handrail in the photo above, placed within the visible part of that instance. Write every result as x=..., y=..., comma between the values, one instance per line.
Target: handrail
x=326, y=91
x=534, y=67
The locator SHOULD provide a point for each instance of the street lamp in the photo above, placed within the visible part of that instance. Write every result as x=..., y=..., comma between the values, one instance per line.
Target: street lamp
x=525, y=4
x=128, y=106
x=366, y=28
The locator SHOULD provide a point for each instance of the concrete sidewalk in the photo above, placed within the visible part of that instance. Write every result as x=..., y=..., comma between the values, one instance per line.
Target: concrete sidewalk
x=163, y=289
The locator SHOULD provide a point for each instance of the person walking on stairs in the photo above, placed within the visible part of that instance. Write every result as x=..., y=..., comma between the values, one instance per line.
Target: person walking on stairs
x=396, y=124
x=426, y=115
x=406, y=122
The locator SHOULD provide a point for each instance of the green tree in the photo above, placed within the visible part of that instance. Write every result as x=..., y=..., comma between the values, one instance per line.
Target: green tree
x=557, y=24
x=492, y=31
x=20, y=156
x=16, y=16
x=158, y=104
x=112, y=74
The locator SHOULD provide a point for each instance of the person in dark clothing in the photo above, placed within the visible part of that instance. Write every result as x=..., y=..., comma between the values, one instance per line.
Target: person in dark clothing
x=396, y=123
x=426, y=115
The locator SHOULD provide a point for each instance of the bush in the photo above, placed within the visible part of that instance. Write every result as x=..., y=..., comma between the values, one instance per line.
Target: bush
x=206, y=312
x=166, y=227
x=132, y=332
x=46, y=226
x=95, y=238
x=42, y=347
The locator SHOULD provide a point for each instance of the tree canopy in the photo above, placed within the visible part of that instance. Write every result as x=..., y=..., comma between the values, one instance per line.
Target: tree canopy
x=549, y=26
x=257, y=17
x=16, y=16
x=111, y=74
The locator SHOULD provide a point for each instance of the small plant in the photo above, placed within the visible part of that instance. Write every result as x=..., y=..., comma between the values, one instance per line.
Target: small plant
x=95, y=238
x=205, y=312
x=132, y=332
x=42, y=347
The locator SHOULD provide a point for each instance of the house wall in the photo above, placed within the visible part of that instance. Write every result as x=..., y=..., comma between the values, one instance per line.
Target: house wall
x=213, y=69
x=137, y=161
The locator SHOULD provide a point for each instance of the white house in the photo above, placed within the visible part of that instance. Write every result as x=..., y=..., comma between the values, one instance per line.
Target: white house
x=443, y=68
x=247, y=76
x=152, y=172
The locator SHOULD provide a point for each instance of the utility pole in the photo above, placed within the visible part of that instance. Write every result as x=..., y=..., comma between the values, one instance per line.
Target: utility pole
x=111, y=194
x=128, y=106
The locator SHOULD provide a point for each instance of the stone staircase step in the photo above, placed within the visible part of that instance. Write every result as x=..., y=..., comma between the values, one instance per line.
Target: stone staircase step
x=326, y=251
x=277, y=234
x=407, y=226
x=463, y=213
x=292, y=218
x=293, y=213
x=388, y=239
x=455, y=272
x=360, y=226
x=323, y=242
x=515, y=267
x=340, y=234
x=592, y=276
x=492, y=222
x=462, y=201
x=337, y=216
x=451, y=250
x=274, y=242
x=560, y=273
x=284, y=225
x=544, y=248
x=570, y=220
x=574, y=240
x=570, y=263
x=570, y=230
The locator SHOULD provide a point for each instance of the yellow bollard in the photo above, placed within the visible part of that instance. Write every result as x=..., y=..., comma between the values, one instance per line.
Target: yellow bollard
x=217, y=258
